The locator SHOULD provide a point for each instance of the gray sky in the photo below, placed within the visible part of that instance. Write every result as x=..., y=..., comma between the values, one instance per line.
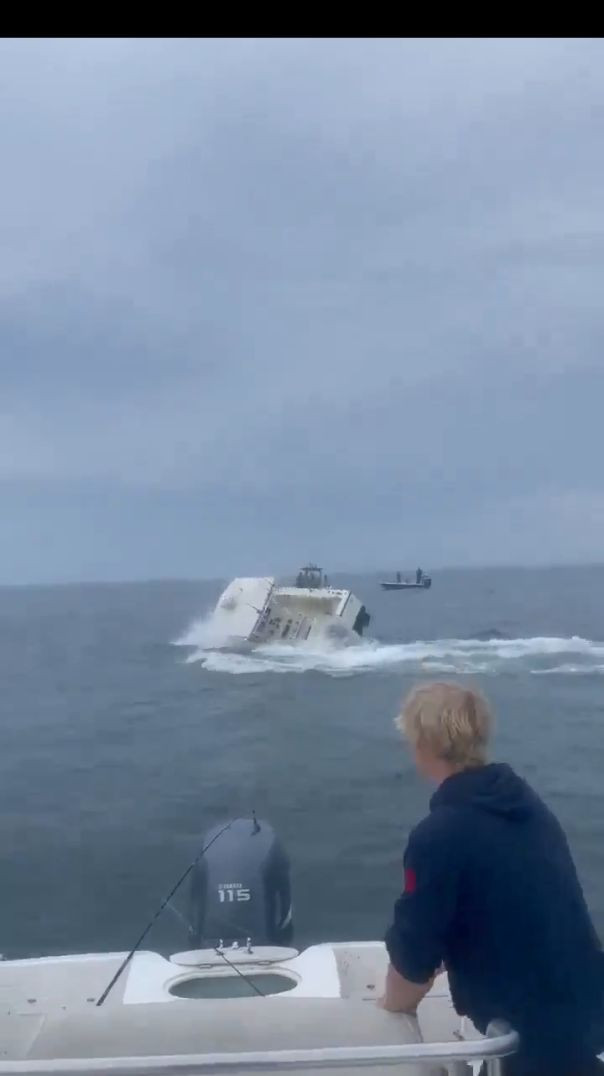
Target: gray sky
x=266, y=300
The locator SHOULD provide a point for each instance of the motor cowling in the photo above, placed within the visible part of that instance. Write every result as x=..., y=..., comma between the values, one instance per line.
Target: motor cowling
x=241, y=888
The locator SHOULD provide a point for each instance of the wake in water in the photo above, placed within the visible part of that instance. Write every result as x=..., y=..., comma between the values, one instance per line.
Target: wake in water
x=542, y=656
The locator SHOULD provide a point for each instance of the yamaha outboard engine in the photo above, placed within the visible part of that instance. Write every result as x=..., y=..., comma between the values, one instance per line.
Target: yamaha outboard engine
x=241, y=888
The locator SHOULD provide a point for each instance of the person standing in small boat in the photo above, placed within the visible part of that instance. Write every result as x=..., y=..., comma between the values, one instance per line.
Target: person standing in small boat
x=491, y=892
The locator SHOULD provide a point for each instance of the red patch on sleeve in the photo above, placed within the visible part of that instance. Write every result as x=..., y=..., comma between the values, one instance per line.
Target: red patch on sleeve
x=410, y=880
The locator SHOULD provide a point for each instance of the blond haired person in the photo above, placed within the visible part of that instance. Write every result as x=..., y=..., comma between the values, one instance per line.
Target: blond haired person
x=492, y=892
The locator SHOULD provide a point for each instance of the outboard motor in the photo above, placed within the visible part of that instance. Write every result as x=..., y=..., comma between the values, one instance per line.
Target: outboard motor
x=241, y=888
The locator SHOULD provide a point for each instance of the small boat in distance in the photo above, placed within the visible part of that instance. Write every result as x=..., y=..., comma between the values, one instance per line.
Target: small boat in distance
x=421, y=582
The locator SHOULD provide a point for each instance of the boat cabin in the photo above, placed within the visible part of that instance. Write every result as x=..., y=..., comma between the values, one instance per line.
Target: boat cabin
x=310, y=577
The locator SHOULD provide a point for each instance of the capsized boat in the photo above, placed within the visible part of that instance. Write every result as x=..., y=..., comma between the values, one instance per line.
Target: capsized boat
x=255, y=611
x=245, y=1002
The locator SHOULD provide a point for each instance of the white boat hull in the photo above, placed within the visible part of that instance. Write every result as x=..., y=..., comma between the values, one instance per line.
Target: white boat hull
x=256, y=612
x=327, y=1017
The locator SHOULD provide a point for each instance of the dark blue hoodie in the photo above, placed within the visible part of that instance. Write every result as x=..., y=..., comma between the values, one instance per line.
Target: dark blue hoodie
x=491, y=889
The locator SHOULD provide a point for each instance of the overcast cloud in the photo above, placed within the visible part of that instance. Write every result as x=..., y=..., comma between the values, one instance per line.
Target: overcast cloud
x=265, y=300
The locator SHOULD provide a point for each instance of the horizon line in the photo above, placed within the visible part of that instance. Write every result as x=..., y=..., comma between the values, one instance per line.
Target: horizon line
x=355, y=572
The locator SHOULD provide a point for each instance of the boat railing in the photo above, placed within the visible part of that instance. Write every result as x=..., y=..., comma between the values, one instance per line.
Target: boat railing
x=500, y=1042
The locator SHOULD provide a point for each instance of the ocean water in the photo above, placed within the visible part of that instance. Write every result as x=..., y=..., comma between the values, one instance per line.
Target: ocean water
x=124, y=739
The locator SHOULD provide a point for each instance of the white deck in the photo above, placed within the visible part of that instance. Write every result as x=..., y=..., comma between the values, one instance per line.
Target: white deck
x=49, y=1020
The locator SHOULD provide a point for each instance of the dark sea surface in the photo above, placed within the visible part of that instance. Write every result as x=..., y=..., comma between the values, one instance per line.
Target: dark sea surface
x=123, y=740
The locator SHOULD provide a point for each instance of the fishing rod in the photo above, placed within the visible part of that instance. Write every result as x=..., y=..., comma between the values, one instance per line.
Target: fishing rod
x=159, y=911
x=218, y=948
x=181, y=918
x=227, y=920
x=241, y=974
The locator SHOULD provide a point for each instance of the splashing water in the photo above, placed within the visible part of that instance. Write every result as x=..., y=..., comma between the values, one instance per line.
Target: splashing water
x=540, y=655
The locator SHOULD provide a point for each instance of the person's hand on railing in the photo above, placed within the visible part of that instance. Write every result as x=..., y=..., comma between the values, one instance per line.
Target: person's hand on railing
x=390, y=1006
x=401, y=995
